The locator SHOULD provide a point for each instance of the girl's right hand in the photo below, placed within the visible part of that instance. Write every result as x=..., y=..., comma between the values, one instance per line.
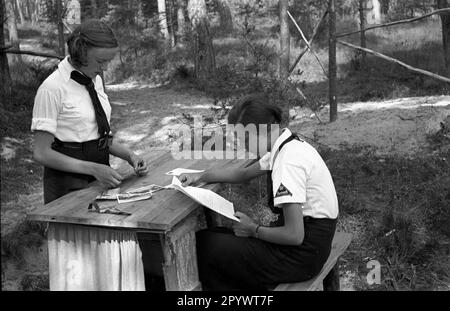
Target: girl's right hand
x=190, y=179
x=106, y=175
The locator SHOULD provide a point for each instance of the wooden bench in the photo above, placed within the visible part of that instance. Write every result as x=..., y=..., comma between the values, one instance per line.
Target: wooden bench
x=328, y=278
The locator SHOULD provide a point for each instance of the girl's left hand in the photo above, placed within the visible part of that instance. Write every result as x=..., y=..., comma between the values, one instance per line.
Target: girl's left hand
x=139, y=164
x=246, y=227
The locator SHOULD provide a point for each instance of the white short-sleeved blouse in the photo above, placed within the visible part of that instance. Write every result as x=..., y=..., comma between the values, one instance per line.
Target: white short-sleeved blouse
x=300, y=175
x=64, y=108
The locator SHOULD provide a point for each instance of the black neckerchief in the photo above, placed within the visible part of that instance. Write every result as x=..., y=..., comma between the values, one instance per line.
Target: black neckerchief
x=100, y=116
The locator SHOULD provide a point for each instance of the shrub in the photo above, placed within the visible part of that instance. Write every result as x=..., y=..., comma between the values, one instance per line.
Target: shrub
x=27, y=77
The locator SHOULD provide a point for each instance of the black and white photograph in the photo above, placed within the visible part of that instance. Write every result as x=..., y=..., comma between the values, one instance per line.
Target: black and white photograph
x=225, y=153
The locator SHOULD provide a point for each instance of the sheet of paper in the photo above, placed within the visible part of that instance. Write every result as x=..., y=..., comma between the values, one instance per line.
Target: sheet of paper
x=206, y=197
x=179, y=171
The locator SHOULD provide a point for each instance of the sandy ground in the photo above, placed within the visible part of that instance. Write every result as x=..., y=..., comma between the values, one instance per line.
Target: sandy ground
x=397, y=126
x=144, y=117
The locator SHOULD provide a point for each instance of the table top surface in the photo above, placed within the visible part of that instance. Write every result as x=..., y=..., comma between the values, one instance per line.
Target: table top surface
x=162, y=212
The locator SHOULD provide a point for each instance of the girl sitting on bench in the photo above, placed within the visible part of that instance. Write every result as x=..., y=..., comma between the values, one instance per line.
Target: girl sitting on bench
x=255, y=257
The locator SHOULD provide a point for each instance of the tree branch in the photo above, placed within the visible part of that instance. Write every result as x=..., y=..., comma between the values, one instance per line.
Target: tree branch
x=315, y=32
x=34, y=54
x=307, y=44
x=2, y=48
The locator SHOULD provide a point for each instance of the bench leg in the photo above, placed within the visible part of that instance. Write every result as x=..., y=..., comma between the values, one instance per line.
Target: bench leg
x=331, y=281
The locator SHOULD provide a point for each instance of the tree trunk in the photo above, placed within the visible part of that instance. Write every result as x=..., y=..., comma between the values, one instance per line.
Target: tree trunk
x=181, y=21
x=169, y=18
x=162, y=16
x=226, y=19
x=362, y=34
x=26, y=8
x=284, y=41
x=61, y=41
x=445, y=19
x=205, y=62
x=5, y=77
x=19, y=9
x=94, y=5
x=332, y=68
x=12, y=28
x=35, y=13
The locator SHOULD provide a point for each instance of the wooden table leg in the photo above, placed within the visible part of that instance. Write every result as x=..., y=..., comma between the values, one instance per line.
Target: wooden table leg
x=180, y=256
x=331, y=282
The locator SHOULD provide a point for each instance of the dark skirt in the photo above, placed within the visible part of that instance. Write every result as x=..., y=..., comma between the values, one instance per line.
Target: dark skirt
x=58, y=183
x=228, y=262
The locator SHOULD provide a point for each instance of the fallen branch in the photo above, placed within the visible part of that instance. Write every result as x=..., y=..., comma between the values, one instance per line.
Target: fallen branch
x=67, y=26
x=307, y=100
x=403, y=21
x=307, y=44
x=315, y=32
x=393, y=60
x=406, y=119
x=34, y=54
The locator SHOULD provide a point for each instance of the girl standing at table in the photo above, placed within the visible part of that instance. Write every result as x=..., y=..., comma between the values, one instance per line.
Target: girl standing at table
x=73, y=140
x=255, y=257
x=71, y=117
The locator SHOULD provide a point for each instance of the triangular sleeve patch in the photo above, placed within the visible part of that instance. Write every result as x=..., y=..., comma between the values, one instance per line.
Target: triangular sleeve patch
x=282, y=191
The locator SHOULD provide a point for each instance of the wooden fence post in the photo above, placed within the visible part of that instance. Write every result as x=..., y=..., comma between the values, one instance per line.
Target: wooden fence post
x=332, y=69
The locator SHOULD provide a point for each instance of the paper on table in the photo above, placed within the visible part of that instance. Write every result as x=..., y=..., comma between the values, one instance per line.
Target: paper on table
x=179, y=171
x=145, y=189
x=130, y=197
x=207, y=198
x=110, y=194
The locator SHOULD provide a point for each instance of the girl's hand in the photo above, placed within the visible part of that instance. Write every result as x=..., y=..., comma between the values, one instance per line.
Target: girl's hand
x=246, y=227
x=139, y=164
x=190, y=179
x=106, y=175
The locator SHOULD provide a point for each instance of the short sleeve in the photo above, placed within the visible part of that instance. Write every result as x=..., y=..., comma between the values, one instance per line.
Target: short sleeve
x=47, y=104
x=264, y=162
x=289, y=184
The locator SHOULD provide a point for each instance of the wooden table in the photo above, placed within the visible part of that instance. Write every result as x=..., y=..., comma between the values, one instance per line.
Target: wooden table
x=169, y=217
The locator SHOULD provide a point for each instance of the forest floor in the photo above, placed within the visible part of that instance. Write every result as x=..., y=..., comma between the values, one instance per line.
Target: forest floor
x=144, y=118
x=388, y=159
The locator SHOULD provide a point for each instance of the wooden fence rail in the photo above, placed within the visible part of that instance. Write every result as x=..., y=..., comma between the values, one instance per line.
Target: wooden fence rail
x=396, y=61
x=332, y=51
x=403, y=21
